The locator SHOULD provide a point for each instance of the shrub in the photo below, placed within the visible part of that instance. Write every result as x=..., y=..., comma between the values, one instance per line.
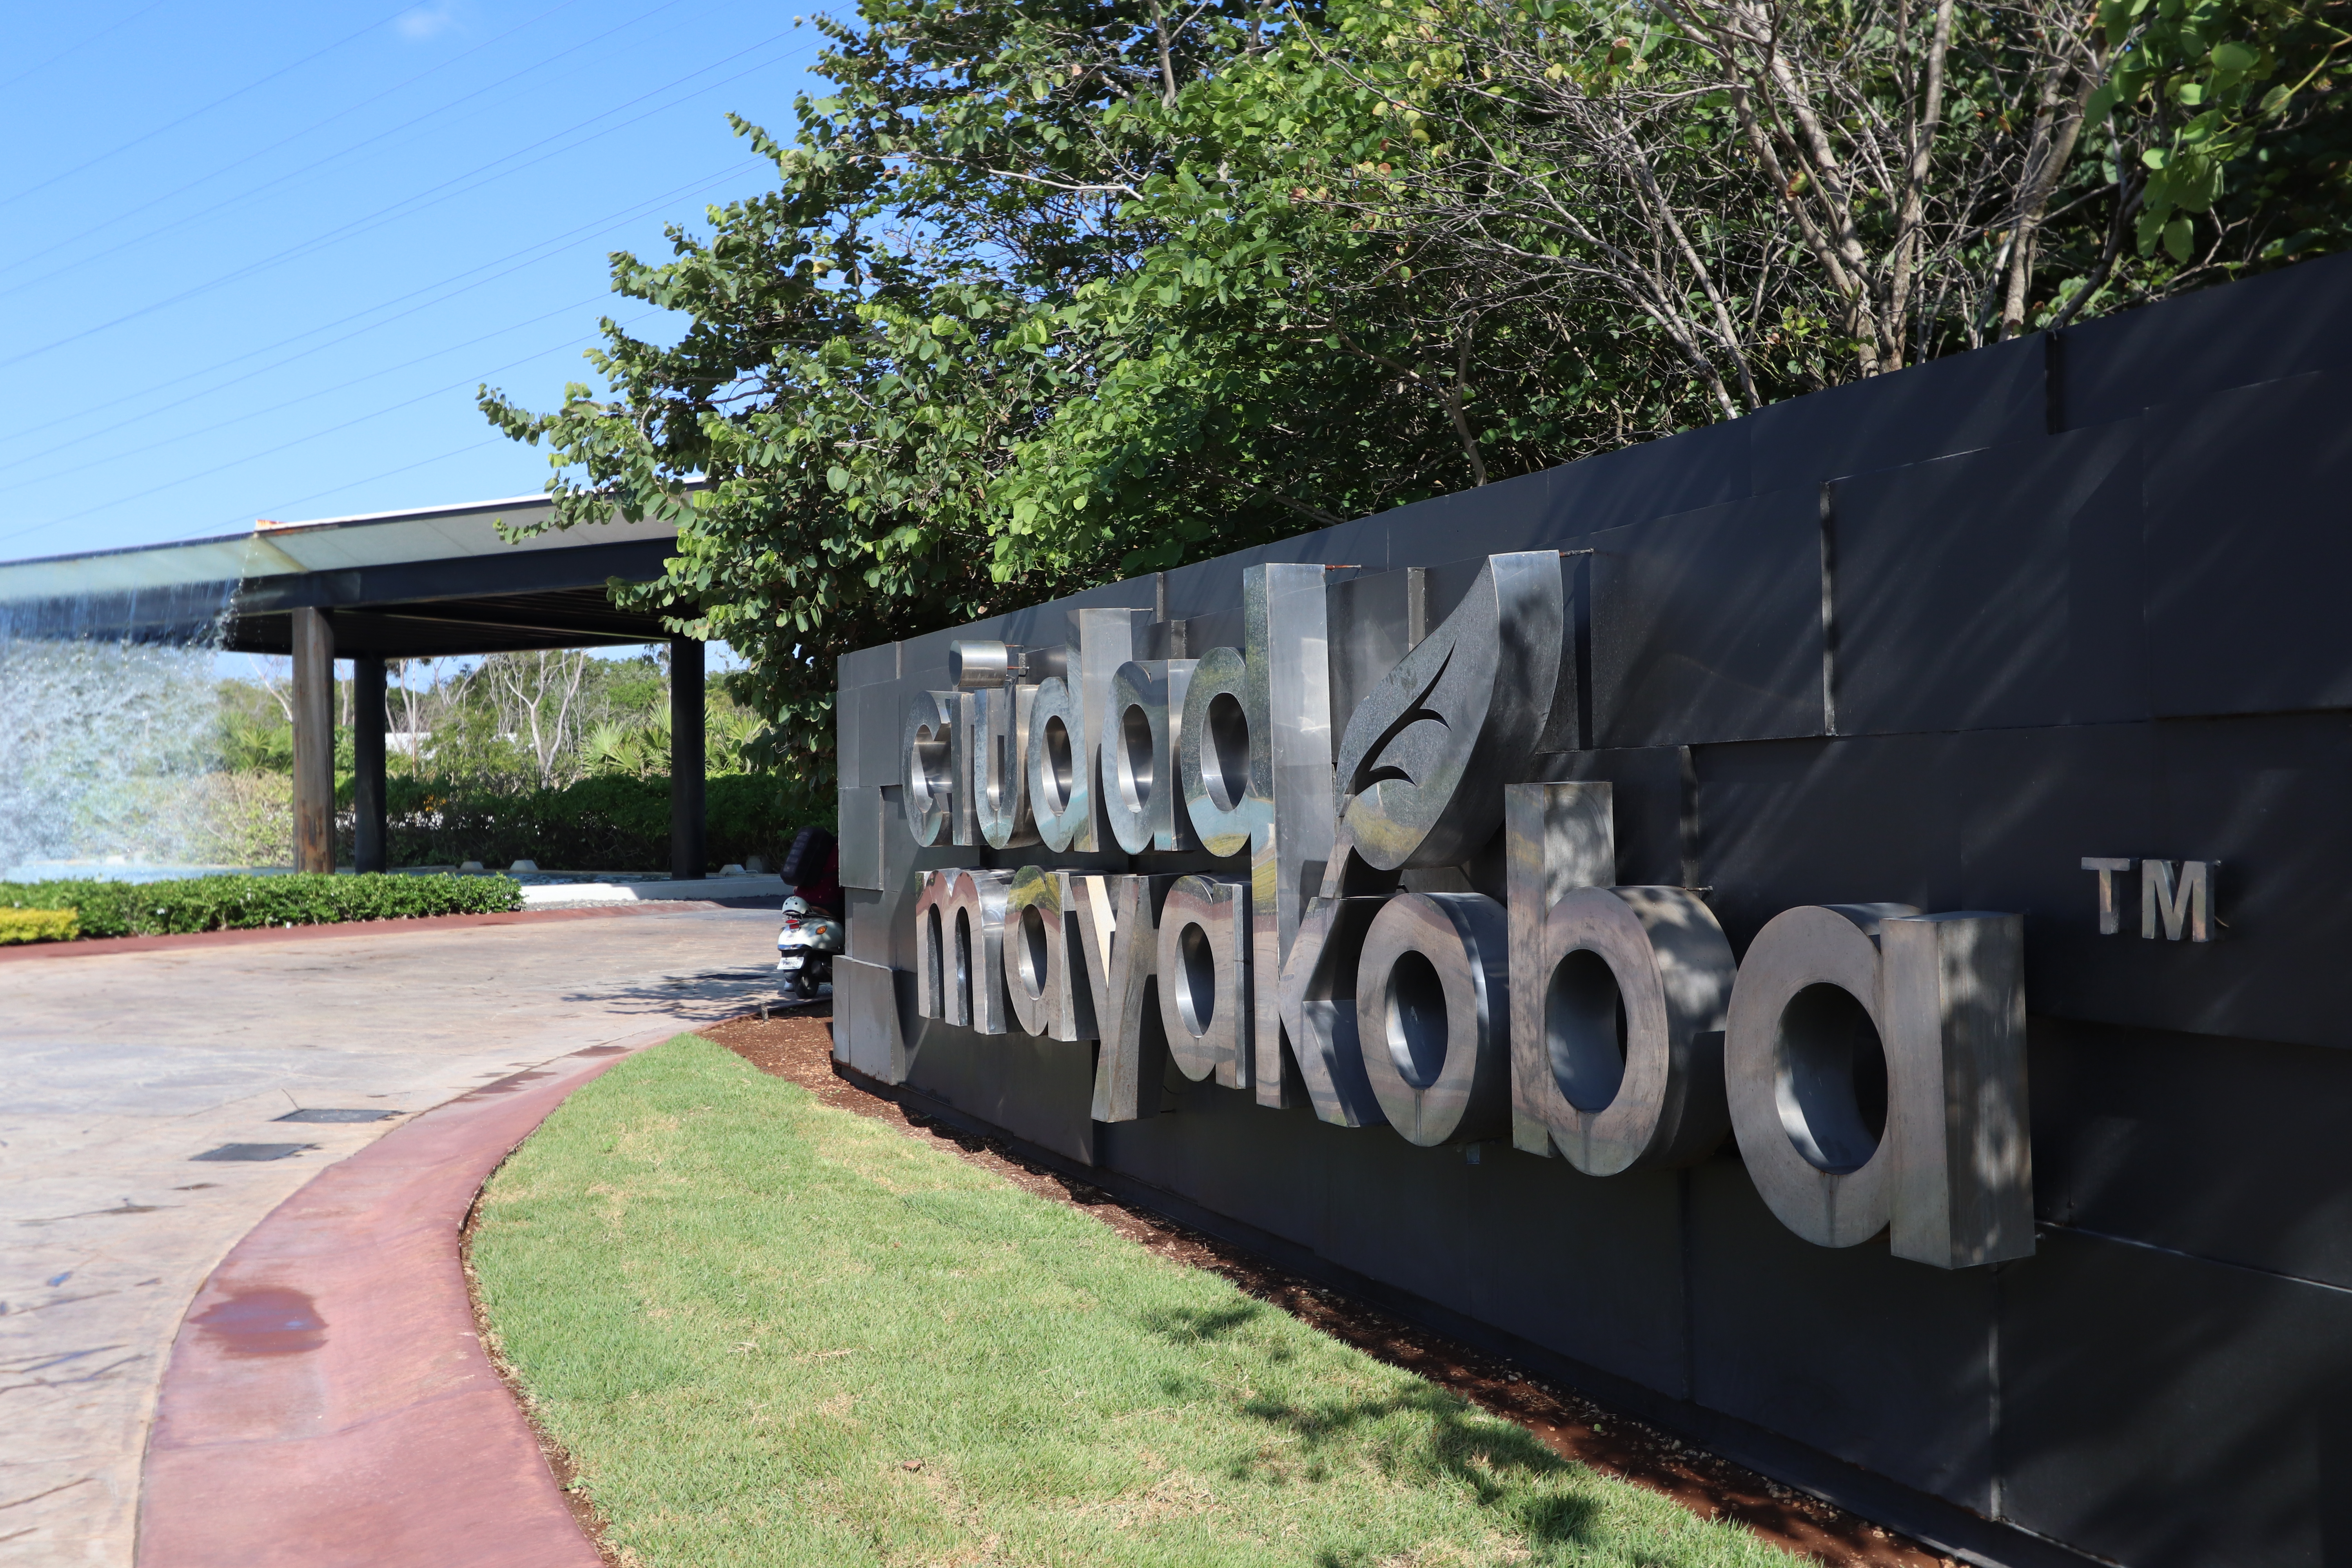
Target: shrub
x=238, y=903
x=609, y=822
x=37, y=925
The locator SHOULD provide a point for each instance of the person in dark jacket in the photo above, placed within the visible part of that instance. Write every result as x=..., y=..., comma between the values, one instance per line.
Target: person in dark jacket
x=812, y=866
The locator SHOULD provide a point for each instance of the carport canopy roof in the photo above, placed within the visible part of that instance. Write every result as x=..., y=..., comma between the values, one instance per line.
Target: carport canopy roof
x=403, y=585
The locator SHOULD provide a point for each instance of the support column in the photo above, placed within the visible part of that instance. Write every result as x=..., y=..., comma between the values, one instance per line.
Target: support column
x=314, y=741
x=367, y=764
x=687, y=827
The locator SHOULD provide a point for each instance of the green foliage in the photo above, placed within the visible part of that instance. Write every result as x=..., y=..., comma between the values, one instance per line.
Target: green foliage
x=610, y=821
x=772, y=1333
x=1045, y=295
x=2222, y=145
x=37, y=925
x=254, y=734
x=640, y=750
x=871, y=344
x=236, y=903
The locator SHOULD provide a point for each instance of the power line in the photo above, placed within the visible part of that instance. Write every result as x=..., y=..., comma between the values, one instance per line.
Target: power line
x=413, y=203
x=306, y=439
x=388, y=473
x=75, y=48
x=545, y=247
x=307, y=396
x=183, y=189
x=207, y=109
x=217, y=209
x=298, y=500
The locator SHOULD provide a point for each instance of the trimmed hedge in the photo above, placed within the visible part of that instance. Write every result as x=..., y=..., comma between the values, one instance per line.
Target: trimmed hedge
x=606, y=824
x=37, y=925
x=238, y=903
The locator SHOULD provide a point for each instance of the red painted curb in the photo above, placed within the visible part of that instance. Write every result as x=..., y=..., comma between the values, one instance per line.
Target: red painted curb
x=328, y=1404
x=93, y=946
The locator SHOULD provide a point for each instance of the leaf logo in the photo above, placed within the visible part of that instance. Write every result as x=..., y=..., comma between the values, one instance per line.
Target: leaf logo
x=1470, y=701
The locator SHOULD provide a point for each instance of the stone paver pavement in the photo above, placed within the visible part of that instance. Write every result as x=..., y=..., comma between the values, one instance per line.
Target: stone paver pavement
x=116, y=1070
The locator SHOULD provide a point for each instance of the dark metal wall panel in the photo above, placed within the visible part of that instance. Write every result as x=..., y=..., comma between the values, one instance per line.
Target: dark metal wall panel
x=847, y=712
x=1879, y=1361
x=1395, y=1212
x=858, y=817
x=1688, y=473
x=1216, y=628
x=1997, y=589
x=2260, y=795
x=2248, y=548
x=1706, y=626
x=1957, y=405
x=2002, y=819
x=1866, y=820
x=881, y=728
x=2032, y=804
x=1206, y=587
x=1591, y=1267
x=1512, y=514
x=867, y=666
x=1696, y=469
x=1034, y=1088
x=1445, y=583
x=2232, y=1149
x=923, y=661
x=866, y=1003
x=1267, y=1169
x=2281, y=325
x=2163, y=1411
x=870, y=936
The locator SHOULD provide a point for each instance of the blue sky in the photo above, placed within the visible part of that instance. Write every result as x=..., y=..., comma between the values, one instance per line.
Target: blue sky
x=254, y=260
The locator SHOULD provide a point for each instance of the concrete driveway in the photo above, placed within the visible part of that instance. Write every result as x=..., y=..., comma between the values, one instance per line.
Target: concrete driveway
x=118, y=1069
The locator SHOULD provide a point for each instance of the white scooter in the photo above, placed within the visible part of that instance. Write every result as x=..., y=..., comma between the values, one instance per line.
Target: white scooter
x=805, y=950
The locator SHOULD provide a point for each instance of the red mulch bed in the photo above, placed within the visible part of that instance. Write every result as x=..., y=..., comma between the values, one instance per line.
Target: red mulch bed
x=800, y=1048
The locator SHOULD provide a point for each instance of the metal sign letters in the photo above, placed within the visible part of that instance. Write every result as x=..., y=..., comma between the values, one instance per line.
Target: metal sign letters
x=1869, y=1059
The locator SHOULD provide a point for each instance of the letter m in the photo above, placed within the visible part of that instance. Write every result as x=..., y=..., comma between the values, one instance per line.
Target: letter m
x=2182, y=901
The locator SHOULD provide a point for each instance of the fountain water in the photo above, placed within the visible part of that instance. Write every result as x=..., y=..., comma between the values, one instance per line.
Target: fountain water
x=109, y=731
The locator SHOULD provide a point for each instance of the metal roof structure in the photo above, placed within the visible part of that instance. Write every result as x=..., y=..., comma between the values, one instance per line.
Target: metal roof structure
x=387, y=586
x=401, y=585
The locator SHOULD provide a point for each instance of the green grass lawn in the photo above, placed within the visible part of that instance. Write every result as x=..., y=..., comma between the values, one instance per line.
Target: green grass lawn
x=745, y=1313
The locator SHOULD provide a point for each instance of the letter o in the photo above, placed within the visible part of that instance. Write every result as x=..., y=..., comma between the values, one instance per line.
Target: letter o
x=1432, y=1019
x=1809, y=979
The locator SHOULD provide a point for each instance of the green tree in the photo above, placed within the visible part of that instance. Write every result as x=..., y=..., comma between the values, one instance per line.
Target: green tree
x=869, y=344
x=1051, y=292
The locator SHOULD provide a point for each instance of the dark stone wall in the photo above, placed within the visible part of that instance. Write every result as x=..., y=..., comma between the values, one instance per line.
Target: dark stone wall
x=1932, y=638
